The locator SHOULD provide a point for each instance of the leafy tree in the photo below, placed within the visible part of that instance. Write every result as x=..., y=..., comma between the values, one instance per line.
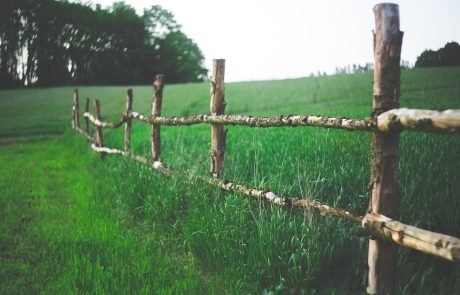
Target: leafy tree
x=449, y=55
x=180, y=58
x=428, y=58
x=158, y=22
x=48, y=42
x=168, y=50
x=11, y=42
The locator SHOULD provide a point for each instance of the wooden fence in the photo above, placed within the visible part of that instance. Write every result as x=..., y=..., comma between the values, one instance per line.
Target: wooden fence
x=386, y=123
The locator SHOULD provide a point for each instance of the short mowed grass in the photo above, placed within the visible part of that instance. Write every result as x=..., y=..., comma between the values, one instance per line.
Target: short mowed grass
x=72, y=223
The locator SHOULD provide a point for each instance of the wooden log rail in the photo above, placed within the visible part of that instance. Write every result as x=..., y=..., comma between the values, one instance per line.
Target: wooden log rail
x=447, y=121
x=157, y=165
x=384, y=228
x=102, y=124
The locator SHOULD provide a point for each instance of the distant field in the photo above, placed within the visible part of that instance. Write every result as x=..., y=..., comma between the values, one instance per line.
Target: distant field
x=48, y=110
x=232, y=244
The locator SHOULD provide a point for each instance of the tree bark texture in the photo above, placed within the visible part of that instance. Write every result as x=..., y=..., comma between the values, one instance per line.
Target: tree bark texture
x=129, y=108
x=218, y=132
x=86, y=119
x=76, y=110
x=384, y=228
x=99, y=135
x=157, y=100
x=385, y=200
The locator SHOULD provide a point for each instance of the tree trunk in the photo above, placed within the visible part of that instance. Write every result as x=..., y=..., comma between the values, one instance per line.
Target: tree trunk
x=129, y=107
x=385, y=200
x=158, y=86
x=218, y=132
x=99, y=136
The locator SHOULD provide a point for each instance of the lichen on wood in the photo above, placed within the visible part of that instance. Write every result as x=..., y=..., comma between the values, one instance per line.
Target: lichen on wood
x=447, y=121
x=275, y=121
x=157, y=165
x=99, y=123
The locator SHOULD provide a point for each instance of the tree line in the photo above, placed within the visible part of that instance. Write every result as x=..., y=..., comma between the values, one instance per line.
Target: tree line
x=52, y=43
x=448, y=56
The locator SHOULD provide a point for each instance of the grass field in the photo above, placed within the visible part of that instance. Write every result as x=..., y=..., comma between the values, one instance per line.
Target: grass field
x=71, y=223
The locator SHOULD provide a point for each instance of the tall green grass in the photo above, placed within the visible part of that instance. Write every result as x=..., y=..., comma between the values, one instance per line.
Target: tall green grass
x=243, y=246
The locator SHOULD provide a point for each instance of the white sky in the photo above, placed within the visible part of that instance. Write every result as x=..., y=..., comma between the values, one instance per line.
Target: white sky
x=269, y=39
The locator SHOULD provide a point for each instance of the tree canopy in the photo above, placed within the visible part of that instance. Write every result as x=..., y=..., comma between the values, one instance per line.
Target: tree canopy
x=448, y=56
x=51, y=43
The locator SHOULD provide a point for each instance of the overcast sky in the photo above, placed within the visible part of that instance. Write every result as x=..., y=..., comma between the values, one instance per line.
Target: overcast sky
x=269, y=39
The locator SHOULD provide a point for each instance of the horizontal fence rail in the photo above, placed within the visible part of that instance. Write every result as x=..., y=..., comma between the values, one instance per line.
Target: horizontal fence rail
x=447, y=121
x=386, y=123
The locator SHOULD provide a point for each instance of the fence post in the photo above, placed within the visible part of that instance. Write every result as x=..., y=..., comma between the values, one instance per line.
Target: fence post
x=385, y=200
x=76, y=110
x=218, y=132
x=157, y=99
x=86, y=119
x=129, y=108
x=99, y=137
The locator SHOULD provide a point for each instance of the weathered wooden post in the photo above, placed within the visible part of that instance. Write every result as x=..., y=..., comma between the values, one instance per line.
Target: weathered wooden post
x=86, y=118
x=157, y=99
x=385, y=200
x=76, y=110
x=218, y=132
x=99, y=137
x=128, y=109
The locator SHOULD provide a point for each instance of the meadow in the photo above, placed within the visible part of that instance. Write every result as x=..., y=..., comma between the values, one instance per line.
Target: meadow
x=72, y=223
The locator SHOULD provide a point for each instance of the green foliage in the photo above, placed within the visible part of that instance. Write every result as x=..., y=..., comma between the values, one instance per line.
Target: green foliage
x=448, y=56
x=50, y=43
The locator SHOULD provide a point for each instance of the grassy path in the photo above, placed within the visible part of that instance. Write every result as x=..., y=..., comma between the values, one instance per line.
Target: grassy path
x=58, y=234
